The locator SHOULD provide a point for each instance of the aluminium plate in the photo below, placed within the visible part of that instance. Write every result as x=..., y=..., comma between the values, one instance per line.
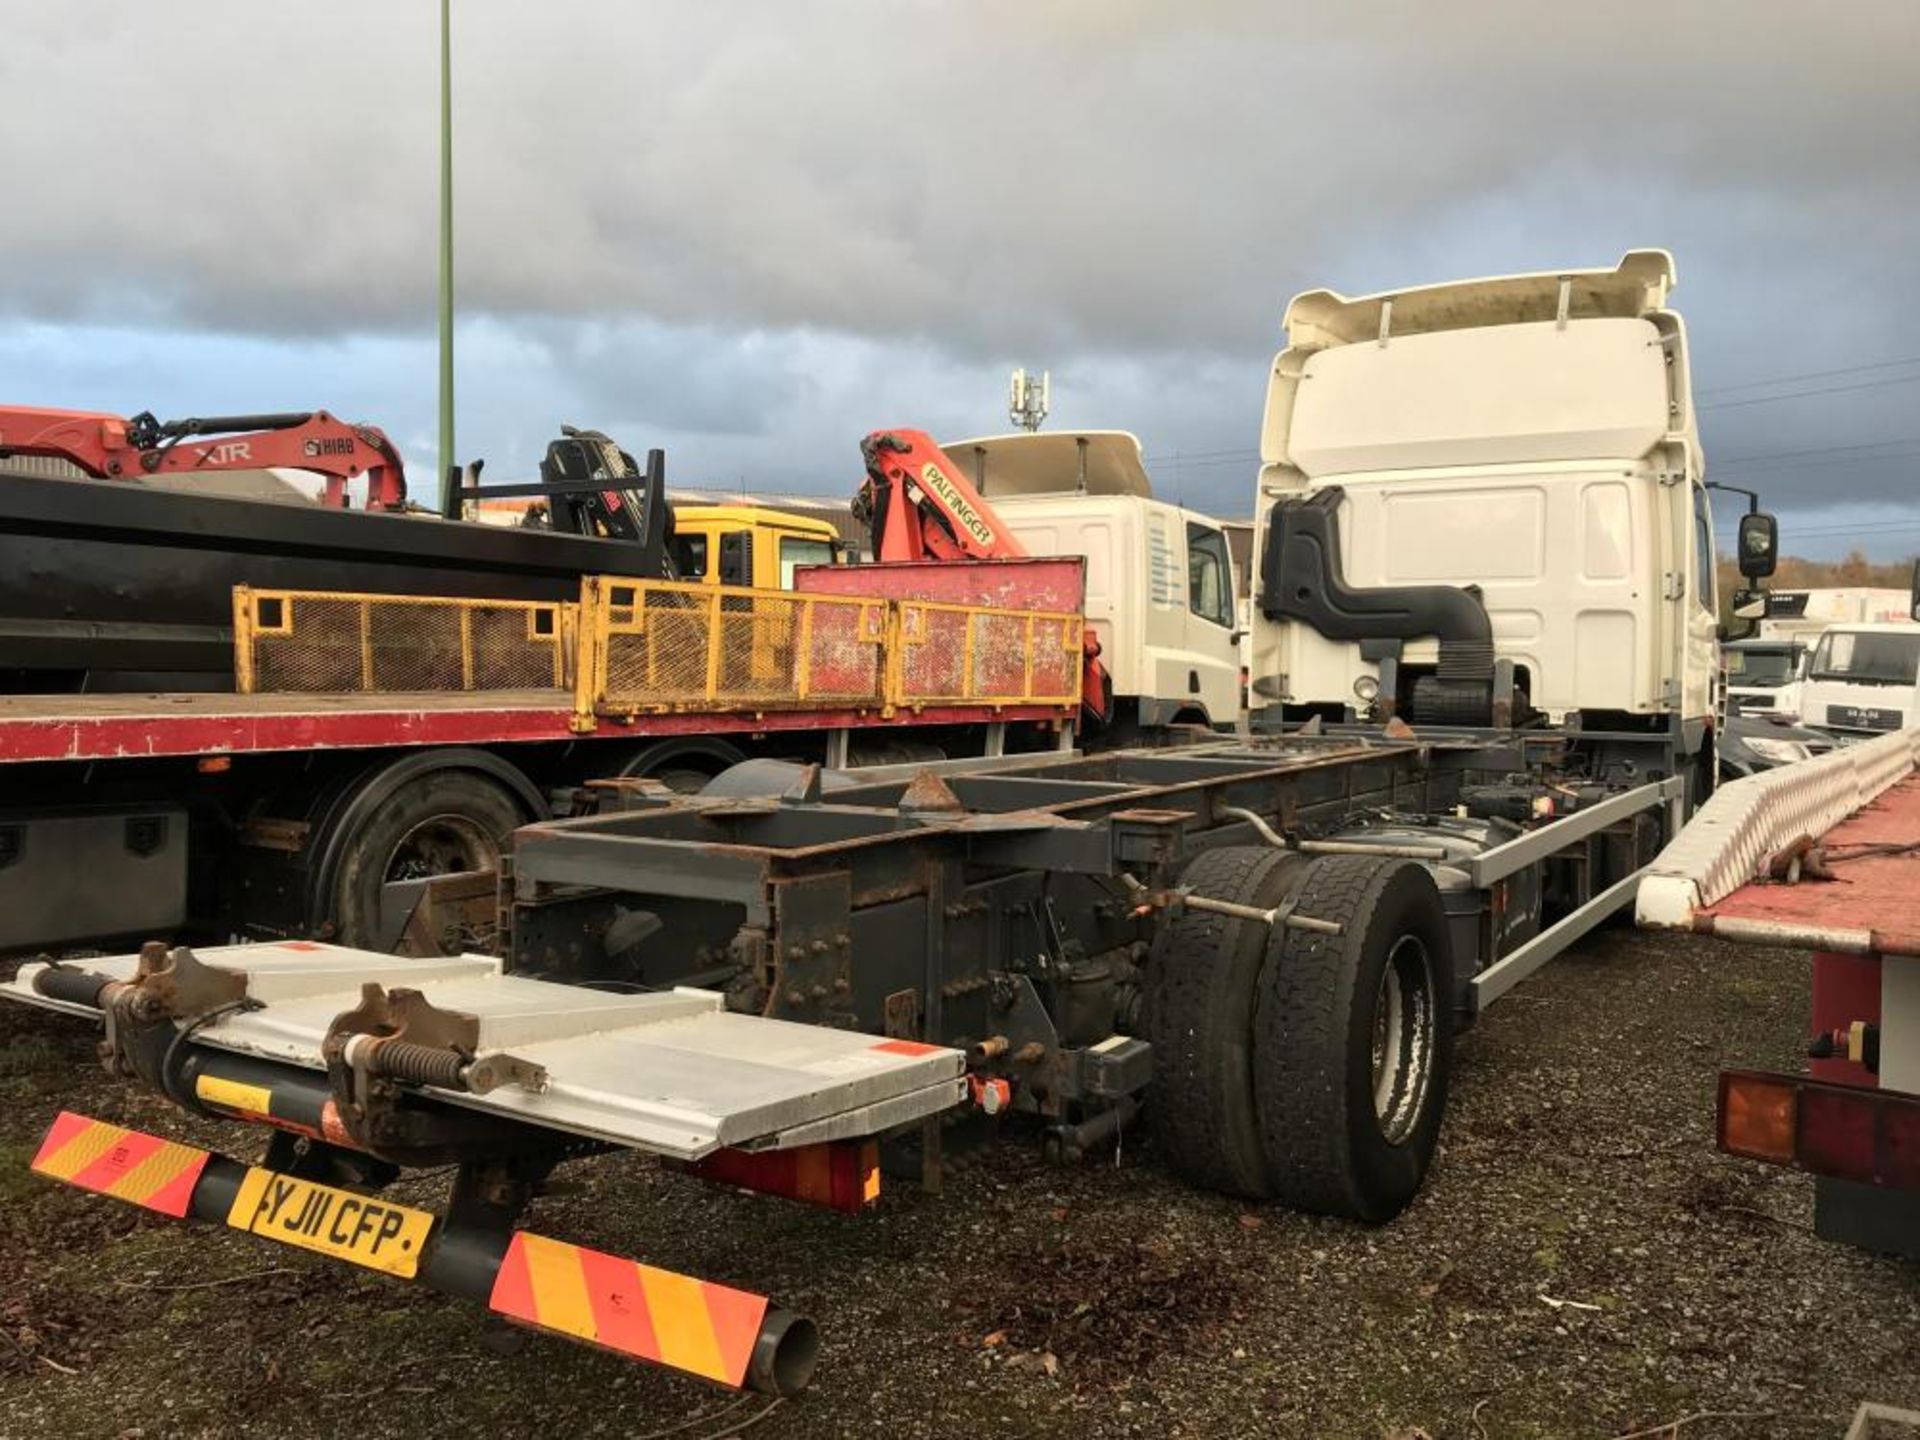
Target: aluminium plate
x=671, y=1072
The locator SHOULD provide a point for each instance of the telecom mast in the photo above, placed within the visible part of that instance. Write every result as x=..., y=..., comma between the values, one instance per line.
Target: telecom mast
x=1028, y=401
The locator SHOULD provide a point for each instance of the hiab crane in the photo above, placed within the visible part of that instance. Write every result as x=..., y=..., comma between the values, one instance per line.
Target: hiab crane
x=629, y=506
x=111, y=447
x=917, y=506
x=107, y=584
x=1160, y=578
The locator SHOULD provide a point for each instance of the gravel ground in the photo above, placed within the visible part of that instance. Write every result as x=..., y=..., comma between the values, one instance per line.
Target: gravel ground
x=1582, y=1263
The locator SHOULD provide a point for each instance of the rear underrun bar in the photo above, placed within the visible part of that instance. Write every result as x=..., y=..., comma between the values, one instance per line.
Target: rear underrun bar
x=729, y=1336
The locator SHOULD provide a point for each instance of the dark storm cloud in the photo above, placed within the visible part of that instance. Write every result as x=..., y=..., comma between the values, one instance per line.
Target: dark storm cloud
x=722, y=218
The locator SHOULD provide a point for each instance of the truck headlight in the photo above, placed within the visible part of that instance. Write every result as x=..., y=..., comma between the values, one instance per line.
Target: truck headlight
x=1780, y=752
x=1366, y=687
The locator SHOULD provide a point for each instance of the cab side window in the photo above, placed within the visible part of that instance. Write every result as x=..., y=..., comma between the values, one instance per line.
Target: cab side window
x=796, y=551
x=1209, y=575
x=736, y=557
x=1703, y=562
x=690, y=556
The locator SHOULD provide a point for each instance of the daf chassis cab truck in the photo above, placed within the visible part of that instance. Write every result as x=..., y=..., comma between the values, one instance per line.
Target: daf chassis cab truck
x=1484, y=504
x=1468, y=752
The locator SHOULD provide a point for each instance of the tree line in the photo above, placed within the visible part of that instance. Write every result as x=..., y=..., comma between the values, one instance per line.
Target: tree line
x=1851, y=571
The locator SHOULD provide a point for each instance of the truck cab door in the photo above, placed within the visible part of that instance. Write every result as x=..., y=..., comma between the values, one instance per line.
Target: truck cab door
x=1213, y=672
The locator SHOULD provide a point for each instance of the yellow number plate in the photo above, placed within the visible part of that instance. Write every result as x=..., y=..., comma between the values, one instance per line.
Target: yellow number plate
x=357, y=1228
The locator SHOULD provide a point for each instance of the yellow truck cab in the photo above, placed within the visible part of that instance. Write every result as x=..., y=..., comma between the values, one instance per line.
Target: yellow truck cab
x=748, y=545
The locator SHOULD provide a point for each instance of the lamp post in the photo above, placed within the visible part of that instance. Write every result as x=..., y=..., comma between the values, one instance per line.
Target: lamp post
x=448, y=464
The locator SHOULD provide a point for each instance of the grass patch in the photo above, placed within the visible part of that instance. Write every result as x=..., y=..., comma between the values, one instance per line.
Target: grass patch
x=32, y=1055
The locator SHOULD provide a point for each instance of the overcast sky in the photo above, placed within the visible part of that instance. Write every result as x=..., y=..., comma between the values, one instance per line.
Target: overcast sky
x=751, y=232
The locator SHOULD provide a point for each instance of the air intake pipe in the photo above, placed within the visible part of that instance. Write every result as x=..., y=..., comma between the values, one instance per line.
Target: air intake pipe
x=1301, y=579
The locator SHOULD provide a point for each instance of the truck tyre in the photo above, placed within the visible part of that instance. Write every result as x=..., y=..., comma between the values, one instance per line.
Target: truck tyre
x=682, y=765
x=1202, y=976
x=1353, y=1039
x=438, y=823
x=1703, y=775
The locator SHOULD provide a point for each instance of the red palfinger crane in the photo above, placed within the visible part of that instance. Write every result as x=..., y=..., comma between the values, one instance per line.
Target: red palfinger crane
x=110, y=447
x=916, y=505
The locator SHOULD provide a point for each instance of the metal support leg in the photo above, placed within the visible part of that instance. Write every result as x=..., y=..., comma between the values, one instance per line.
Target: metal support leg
x=837, y=745
x=996, y=739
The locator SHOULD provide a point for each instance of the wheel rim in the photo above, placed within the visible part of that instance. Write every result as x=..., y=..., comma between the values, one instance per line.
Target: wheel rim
x=442, y=845
x=1403, y=1025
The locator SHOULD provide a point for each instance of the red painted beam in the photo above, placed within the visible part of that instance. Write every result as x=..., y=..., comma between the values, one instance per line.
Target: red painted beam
x=77, y=730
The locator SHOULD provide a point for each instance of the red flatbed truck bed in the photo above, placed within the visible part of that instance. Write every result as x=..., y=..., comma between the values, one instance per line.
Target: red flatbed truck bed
x=1823, y=855
x=1871, y=907
x=125, y=727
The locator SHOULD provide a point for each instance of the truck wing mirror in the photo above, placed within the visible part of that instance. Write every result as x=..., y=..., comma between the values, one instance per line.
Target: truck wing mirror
x=1750, y=604
x=1913, y=600
x=1759, y=545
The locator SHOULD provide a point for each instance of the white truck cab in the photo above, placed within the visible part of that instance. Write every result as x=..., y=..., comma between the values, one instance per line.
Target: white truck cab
x=1160, y=583
x=1482, y=503
x=1763, y=676
x=1861, y=679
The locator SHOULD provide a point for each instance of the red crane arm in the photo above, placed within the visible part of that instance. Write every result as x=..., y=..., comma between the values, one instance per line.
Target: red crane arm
x=111, y=447
x=918, y=506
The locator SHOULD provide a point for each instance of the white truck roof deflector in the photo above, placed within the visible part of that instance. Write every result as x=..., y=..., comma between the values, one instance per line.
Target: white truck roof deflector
x=1031, y=463
x=1636, y=286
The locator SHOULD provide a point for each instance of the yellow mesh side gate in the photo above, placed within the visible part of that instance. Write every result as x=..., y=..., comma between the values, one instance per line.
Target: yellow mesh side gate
x=979, y=655
x=661, y=645
x=324, y=643
x=633, y=647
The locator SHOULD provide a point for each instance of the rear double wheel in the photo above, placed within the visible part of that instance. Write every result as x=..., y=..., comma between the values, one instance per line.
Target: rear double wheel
x=1297, y=1065
x=442, y=822
x=1202, y=977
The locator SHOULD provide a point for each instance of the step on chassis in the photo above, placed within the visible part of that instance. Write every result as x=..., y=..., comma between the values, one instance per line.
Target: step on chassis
x=1252, y=941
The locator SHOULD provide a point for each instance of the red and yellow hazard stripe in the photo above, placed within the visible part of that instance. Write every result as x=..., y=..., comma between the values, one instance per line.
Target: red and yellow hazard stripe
x=651, y=1314
x=125, y=1164
x=656, y=1315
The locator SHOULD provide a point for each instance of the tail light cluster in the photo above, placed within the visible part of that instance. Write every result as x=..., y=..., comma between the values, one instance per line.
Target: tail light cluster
x=1848, y=1132
x=841, y=1175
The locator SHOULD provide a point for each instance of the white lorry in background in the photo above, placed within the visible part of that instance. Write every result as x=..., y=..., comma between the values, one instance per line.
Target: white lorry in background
x=1802, y=614
x=1481, y=505
x=1861, y=679
x=1766, y=673
x=1764, y=677
x=1160, y=585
